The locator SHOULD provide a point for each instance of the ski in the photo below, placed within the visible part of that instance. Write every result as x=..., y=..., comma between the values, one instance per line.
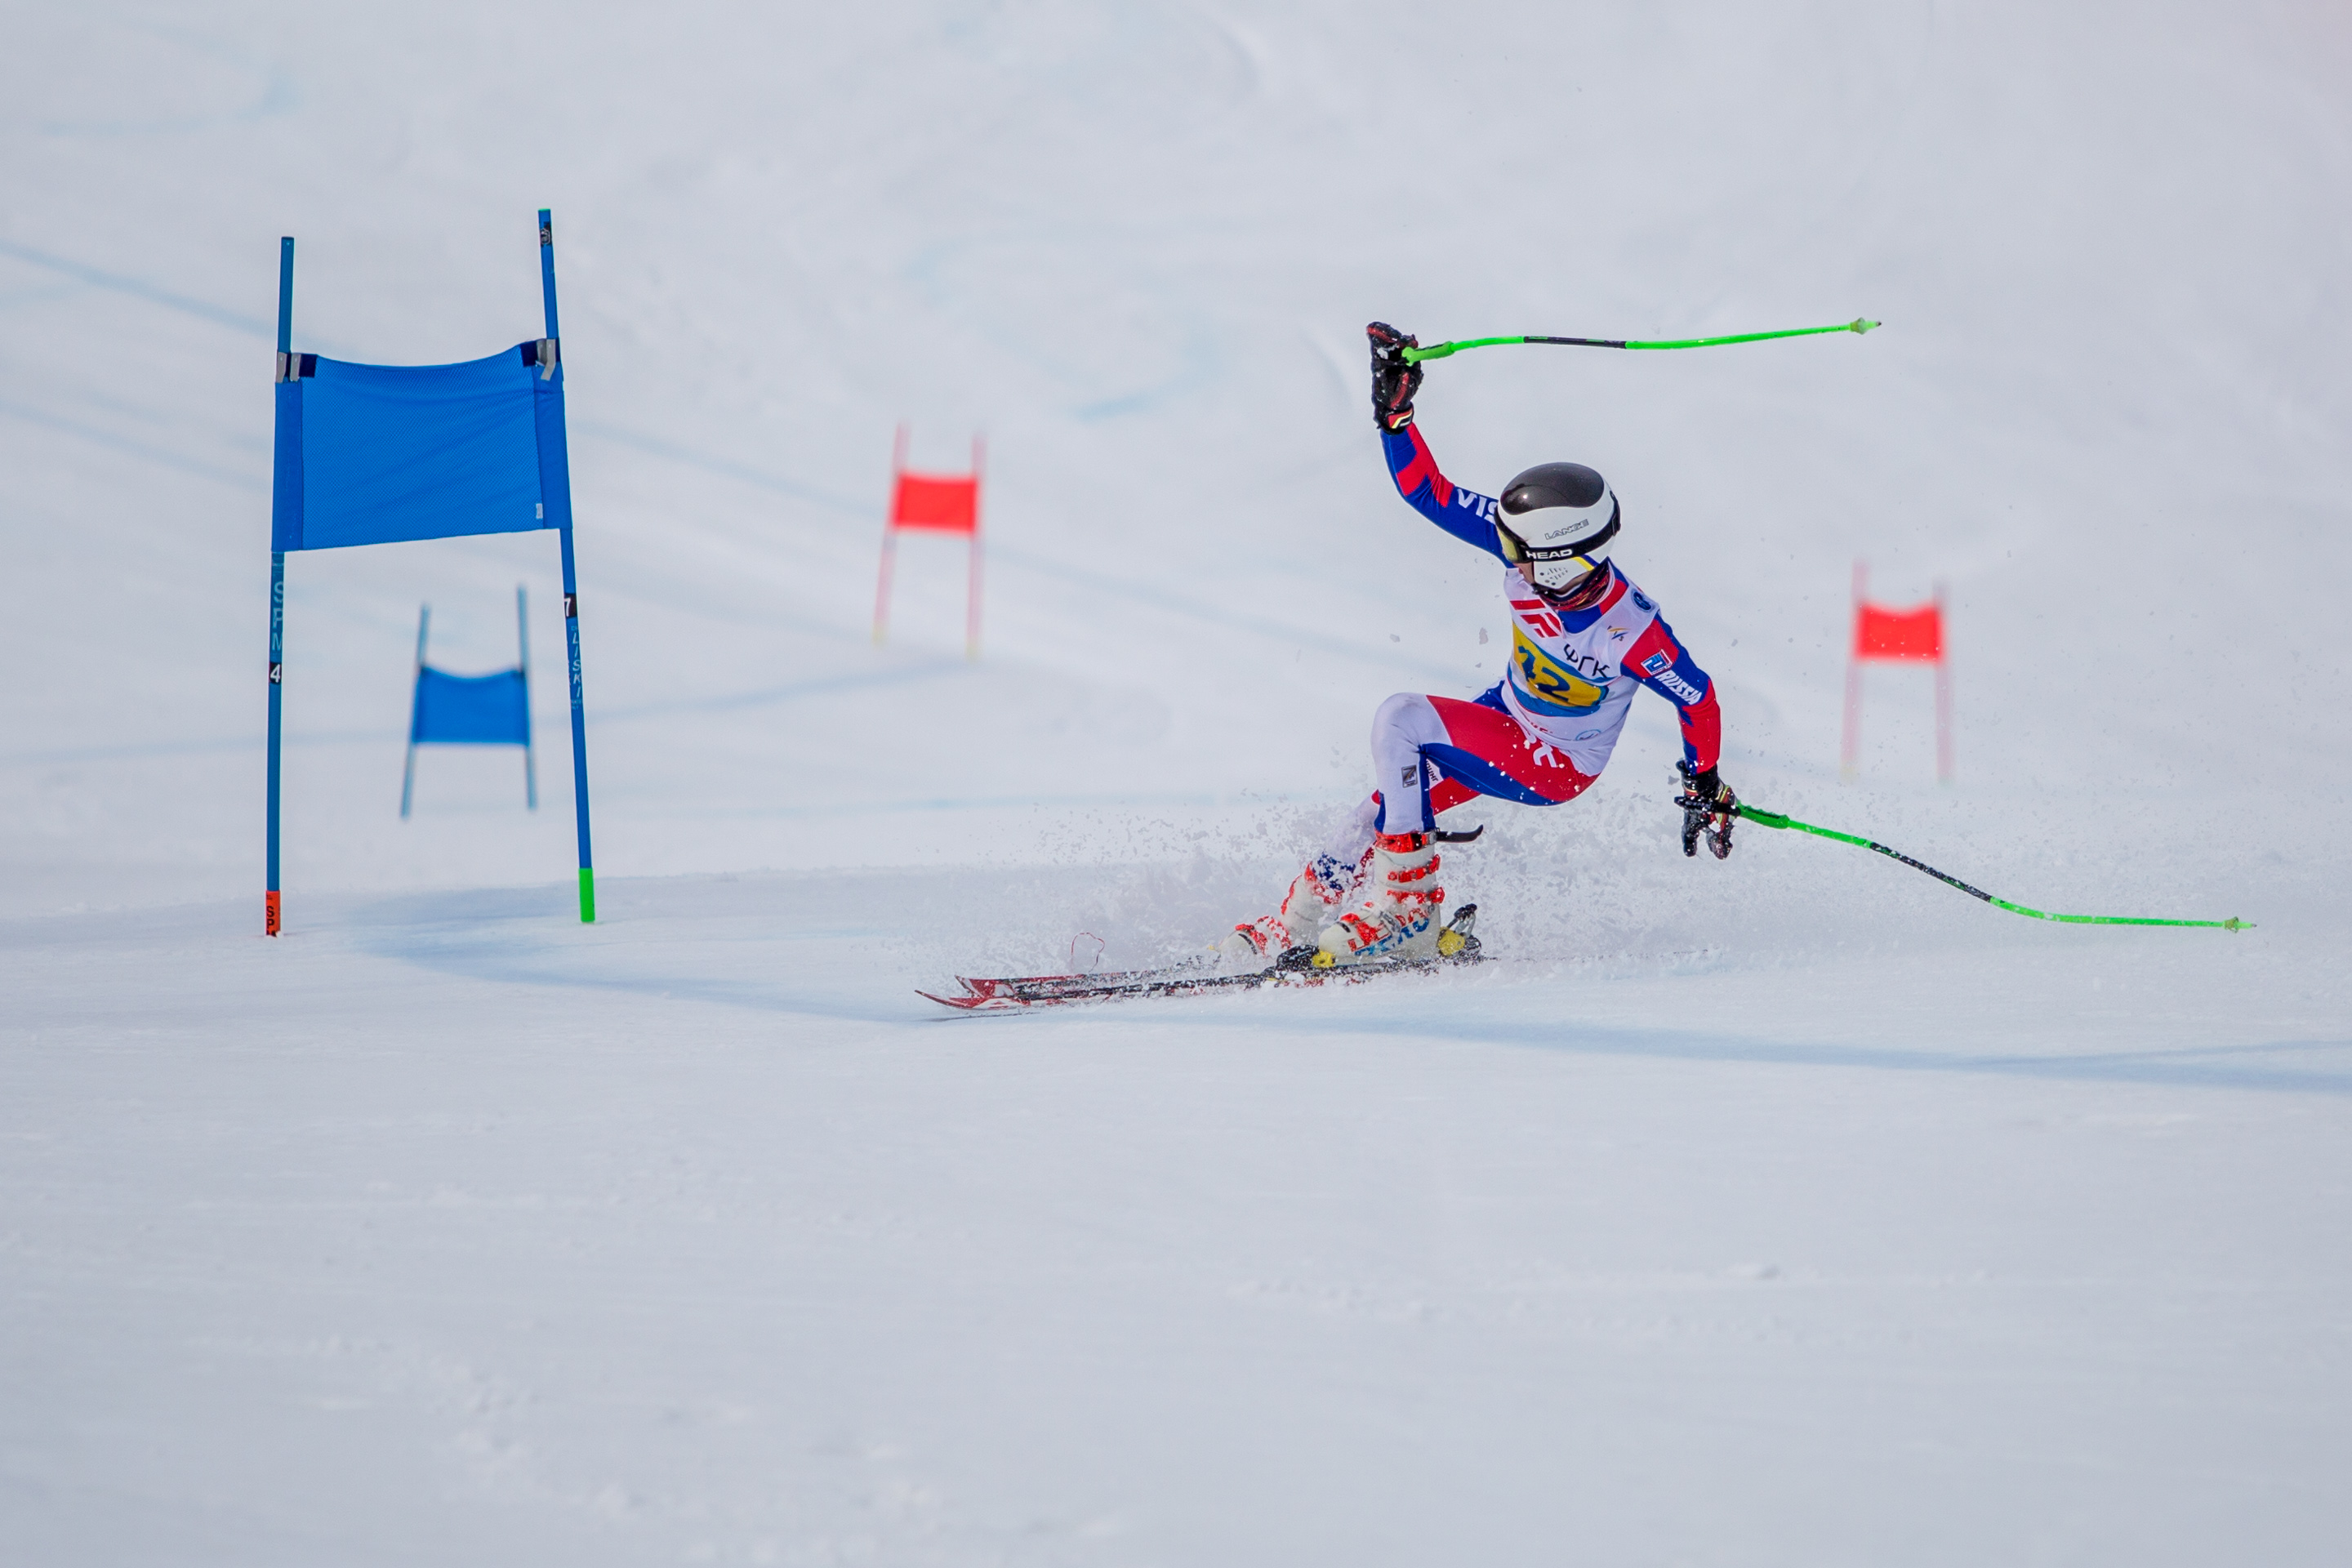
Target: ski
x=1457, y=945
x=1035, y=985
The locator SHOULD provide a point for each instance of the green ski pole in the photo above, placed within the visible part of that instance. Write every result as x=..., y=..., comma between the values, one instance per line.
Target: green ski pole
x=1439, y=350
x=1763, y=818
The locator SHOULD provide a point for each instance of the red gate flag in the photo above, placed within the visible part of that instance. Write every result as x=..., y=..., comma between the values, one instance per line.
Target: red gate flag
x=1899, y=633
x=931, y=503
x=1912, y=635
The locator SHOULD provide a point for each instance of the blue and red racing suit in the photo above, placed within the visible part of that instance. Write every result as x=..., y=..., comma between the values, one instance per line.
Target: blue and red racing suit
x=1542, y=733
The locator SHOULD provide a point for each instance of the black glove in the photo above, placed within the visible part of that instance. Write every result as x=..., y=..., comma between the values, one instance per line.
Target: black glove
x=1394, y=381
x=1707, y=805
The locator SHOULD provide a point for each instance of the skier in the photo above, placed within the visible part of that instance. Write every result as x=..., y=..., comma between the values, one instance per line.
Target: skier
x=1583, y=637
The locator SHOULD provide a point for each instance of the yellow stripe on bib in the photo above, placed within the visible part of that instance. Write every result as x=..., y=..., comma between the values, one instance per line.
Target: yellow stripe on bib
x=1551, y=687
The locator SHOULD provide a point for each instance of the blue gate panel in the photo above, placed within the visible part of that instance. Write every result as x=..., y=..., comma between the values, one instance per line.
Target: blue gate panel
x=475, y=709
x=371, y=454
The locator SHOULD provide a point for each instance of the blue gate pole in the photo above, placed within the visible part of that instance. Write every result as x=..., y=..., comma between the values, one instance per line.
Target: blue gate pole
x=571, y=609
x=415, y=709
x=269, y=919
x=522, y=636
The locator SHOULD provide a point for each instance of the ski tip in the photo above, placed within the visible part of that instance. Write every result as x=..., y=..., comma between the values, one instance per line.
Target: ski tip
x=964, y=1004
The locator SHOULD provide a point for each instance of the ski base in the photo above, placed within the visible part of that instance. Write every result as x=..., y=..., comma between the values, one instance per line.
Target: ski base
x=1457, y=946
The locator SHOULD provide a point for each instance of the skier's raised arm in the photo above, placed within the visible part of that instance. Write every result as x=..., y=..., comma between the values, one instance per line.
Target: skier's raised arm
x=1461, y=512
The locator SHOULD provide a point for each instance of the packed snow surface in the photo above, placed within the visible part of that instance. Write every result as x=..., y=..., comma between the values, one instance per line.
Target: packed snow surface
x=1793, y=1209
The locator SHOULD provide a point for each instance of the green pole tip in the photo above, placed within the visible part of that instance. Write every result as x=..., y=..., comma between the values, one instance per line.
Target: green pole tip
x=2235, y=924
x=1859, y=325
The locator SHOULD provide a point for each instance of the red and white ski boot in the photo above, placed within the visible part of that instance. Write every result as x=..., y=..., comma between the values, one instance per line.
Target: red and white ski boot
x=1315, y=894
x=1398, y=915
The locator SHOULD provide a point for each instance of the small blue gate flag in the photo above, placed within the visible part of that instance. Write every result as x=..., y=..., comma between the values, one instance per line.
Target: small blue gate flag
x=370, y=454
x=476, y=710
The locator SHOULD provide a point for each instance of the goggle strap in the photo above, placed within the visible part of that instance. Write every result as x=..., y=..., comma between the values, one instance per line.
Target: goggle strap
x=1517, y=550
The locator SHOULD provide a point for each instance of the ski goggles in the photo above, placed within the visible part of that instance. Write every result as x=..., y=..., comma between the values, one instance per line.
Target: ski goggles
x=1519, y=553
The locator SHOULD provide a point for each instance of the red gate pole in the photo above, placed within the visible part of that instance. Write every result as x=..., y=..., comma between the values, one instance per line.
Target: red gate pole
x=889, y=539
x=972, y=611
x=1943, y=692
x=1850, y=742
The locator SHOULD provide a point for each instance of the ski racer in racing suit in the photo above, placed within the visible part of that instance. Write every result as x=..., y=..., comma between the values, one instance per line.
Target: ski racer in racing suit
x=1583, y=636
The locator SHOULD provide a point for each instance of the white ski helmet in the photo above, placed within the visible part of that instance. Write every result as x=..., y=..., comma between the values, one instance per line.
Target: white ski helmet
x=1558, y=519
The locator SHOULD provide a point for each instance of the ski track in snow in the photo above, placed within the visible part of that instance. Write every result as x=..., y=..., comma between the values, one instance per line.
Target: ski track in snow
x=1790, y=1210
